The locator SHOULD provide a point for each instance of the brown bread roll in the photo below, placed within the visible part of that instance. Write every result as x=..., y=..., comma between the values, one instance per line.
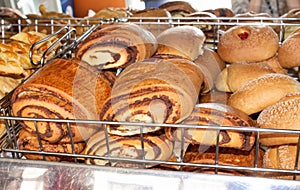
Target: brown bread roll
x=284, y=114
x=282, y=158
x=212, y=62
x=62, y=89
x=262, y=92
x=239, y=74
x=248, y=44
x=184, y=41
x=289, y=51
x=215, y=114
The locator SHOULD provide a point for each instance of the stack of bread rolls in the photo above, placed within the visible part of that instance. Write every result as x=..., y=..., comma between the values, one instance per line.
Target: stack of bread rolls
x=15, y=59
x=166, y=78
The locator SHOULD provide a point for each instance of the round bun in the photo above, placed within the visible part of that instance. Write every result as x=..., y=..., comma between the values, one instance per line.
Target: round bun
x=239, y=74
x=284, y=114
x=184, y=41
x=248, y=44
x=262, y=92
x=282, y=158
x=288, y=53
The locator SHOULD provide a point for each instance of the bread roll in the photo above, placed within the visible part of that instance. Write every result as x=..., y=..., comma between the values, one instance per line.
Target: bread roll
x=62, y=89
x=281, y=158
x=212, y=61
x=239, y=74
x=29, y=141
x=262, y=92
x=116, y=46
x=227, y=156
x=289, y=51
x=285, y=114
x=248, y=44
x=153, y=91
x=184, y=41
x=215, y=114
x=155, y=147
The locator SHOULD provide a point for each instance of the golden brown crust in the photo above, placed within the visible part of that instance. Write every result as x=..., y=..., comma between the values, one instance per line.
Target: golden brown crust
x=184, y=41
x=248, y=44
x=227, y=156
x=73, y=90
x=282, y=158
x=282, y=115
x=212, y=61
x=288, y=53
x=239, y=74
x=262, y=92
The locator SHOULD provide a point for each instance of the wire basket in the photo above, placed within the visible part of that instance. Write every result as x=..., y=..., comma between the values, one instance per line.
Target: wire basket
x=73, y=31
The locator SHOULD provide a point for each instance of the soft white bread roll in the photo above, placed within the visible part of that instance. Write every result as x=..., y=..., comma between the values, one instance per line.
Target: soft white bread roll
x=184, y=41
x=248, y=44
x=285, y=114
x=280, y=157
x=262, y=92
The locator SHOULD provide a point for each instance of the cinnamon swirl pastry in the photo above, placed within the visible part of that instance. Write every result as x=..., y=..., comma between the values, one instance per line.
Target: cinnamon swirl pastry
x=150, y=147
x=153, y=91
x=62, y=89
x=29, y=141
x=117, y=46
x=215, y=114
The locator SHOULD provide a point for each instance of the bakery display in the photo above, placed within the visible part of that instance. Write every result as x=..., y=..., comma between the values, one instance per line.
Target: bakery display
x=215, y=114
x=154, y=72
x=117, y=46
x=73, y=90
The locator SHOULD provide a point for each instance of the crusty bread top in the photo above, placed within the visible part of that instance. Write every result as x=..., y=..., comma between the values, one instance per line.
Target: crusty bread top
x=262, y=92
